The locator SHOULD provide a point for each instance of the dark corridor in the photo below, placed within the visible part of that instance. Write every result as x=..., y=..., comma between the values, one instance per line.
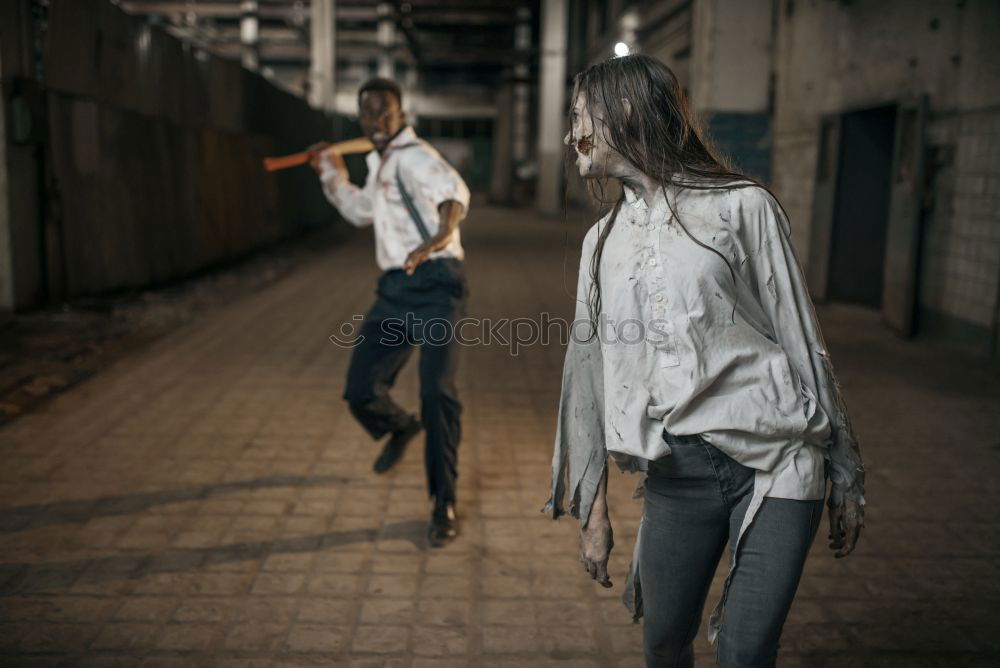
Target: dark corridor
x=861, y=209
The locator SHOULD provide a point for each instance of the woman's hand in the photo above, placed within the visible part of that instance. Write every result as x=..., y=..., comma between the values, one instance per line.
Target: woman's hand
x=596, y=537
x=596, y=541
x=846, y=521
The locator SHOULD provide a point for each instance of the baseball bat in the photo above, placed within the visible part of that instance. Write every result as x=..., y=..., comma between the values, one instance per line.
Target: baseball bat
x=346, y=147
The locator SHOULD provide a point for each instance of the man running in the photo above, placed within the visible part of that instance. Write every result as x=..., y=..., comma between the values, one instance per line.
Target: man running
x=415, y=200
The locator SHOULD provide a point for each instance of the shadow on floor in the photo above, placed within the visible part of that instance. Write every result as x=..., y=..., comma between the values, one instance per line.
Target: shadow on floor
x=33, y=578
x=22, y=518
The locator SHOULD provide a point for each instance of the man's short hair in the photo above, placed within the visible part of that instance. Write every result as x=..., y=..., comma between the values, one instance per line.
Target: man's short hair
x=379, y=84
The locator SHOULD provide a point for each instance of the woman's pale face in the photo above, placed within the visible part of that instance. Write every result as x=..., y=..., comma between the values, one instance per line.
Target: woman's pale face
x=594, y=156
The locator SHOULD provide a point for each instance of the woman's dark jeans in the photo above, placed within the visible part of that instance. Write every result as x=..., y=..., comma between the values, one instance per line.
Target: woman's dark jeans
x=695, y=502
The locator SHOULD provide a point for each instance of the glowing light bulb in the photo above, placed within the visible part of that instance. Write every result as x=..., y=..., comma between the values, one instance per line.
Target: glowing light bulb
x=621, y=49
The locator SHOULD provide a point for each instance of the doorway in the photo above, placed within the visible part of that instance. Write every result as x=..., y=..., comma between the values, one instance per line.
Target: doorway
x=861, y=206
x=868, y=207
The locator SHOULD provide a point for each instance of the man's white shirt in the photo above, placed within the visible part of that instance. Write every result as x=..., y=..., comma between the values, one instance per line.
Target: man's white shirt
x=429, y=181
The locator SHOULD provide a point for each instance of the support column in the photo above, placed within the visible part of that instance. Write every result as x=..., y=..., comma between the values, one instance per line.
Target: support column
x=522, y=92
x=323, y=66
x=386, y=36
x=501, y=182
x=551, y=107
x=512, y=128
x=249, y=34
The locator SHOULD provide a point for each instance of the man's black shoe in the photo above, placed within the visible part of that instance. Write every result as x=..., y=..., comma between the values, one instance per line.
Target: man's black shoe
x=444, y=525
x=394, y=449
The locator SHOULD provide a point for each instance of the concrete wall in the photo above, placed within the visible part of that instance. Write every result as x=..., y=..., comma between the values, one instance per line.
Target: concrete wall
x=731, y=55
x=833, y=57
x=730, y=86
x=148, y=162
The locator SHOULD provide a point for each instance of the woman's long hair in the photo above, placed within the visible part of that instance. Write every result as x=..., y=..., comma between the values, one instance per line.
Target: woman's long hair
x=659, y=136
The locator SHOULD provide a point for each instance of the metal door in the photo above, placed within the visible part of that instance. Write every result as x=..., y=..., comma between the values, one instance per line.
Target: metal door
x=899, y=289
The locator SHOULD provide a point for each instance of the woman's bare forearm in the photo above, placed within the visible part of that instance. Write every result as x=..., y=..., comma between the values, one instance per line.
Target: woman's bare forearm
x=600, y=507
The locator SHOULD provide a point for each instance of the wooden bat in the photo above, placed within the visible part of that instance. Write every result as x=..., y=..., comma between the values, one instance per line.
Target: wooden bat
x=346, y=147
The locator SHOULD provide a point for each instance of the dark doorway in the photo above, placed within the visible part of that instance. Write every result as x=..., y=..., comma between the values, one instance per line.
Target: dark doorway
x=861, y=206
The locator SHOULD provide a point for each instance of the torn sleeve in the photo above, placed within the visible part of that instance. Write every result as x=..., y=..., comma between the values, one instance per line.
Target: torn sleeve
x=785, y=300
x=580, y=457
x=353, y=203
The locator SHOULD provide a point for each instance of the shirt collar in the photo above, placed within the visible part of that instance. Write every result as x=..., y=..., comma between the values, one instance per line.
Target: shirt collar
x=637, y=202
x=405, y=136
x=632, y=197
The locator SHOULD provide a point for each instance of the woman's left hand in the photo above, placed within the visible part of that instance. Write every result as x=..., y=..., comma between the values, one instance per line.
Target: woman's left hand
x=846, y=521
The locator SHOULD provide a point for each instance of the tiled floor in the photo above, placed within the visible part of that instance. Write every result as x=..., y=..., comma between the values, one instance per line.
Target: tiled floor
x=209, y=501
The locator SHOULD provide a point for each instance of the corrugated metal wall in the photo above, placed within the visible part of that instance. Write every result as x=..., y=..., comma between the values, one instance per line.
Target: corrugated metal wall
x=153, y=154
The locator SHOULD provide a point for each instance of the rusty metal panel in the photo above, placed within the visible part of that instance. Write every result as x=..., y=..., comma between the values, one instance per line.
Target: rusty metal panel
x=239, y=205
x=193, y=97
x=71, y=48
x=74, y=155
x=223, y=84
x=16, y=39
x=155, y=155
x=168, y=76
x=124, y=45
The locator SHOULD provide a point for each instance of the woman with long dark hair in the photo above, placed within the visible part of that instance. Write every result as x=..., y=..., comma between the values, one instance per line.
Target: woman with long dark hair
x=701, y=362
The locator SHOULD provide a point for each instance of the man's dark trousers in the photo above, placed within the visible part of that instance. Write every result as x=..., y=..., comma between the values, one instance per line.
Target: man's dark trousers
x=414, y=310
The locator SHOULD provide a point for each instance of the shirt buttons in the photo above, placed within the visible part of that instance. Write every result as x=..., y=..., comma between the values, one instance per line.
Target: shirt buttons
x=652, y=262
x=659, y=298
x=650, y=227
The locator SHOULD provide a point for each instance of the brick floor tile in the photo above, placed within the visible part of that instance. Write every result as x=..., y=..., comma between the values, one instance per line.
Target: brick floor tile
x=502, y=640
x=397, y=563
x=255, y=636
x=337, y=611
x=293, y=563
x=278, y=583
x=506, y=587
x=341, y=562
x=440, y=563
x=392, y=585
x=207, y=609
x=146, y=608
x=333, y=584
x=221, y=584
x=125, y=636
x=388, y=611
x=438, y=662
x=48, y=638
x=316, y=638
x=446, y=586
x=446, y=612
x=380, y=639
x=265, y=608
x=377, y=662
x=508, y=612
x=439, y=640
x=188, y=637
